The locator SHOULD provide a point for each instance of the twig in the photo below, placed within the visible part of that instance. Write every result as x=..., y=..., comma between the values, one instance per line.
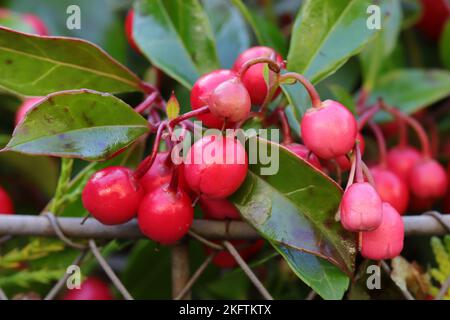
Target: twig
x=109, y=271
x=195, y=277
x=180, y=269
x=232, y=250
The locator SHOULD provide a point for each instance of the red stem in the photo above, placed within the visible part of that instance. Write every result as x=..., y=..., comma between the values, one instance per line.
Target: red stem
x=426, y=149
x=188, y=115
x=286, y=129
x=313, y=94
x=358, y=168
x=273, y=65
x=402, y=132
x=174, y=180
x=367, y=116
x=146, y=164
x=381, y=142
x=147, y=103
x=362, y=99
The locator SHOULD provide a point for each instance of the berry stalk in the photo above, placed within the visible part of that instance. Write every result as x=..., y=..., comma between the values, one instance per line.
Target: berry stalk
x=312, y=92
x=285, y=128
x=188, y=115
x=271, y=63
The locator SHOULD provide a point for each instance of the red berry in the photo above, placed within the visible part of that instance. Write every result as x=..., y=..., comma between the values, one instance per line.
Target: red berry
x=402, y=159
x=6, y=204
x=304, y=153
x=129, y=30
x=419, y=205
x=329, y=130
x=112, y=195
x=216, y=166
x=435, y=13
x=391, y=188
x=26, y=106
x=428, y=179
x=385, y=242
x=219, y=209
x=253, y=79
x=165, y=216
x=230, y=101
x=361, y=208
x=202, y=90
x=36, y=23
x=90, y=289
x=343, y=161
x=158, y=175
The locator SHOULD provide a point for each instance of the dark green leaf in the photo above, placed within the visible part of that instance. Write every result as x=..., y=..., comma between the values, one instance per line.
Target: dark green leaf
x=177, y=38
x=229, y=28
x=36, y=66
x=266, y=33
x=444, y=45
x=295, y=209
x=80, y=124
x=412, y=89
x=344, y=97
x=372, y=57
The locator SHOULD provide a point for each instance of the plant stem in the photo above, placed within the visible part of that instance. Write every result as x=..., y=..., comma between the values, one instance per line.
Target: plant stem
x=420, y=131
x=313, y=94
x=362, y=99
x=188, y=115
x=381, y=142
x=146, y=164
x=359, y=164
x=285, y=128
x=402, y=132
x=271, y=63
x=367, y=116
x=147, y=103
x=351, y=176
x=61, y=187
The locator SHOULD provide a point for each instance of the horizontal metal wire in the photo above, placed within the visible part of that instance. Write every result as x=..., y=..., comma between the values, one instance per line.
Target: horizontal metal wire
x=27, y=225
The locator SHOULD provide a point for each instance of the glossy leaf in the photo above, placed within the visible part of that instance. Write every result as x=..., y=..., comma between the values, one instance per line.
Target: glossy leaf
x=176, y=37
x=344, y=97
x=36, y=66
x=295, y=208
x=372, y=57
x=325, y=35
x=79, y=124
x=266, y=33
x=232, y=36
x=412, y=89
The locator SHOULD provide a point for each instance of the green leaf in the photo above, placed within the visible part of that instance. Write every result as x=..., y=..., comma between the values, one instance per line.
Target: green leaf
x=325, y=35
x=172, y=107
x=177, y=38
x=295, y=208
x=79, y=124
x=444, y=45
x=266, y=33
x=344, y=97
x=411, y=13
x=36, y=66
x=383, y=44
x=411, y=89
x=232, y=36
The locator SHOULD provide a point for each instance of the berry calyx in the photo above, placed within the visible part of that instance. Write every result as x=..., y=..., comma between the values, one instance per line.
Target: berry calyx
x=6, y=204
x=112, y=195
x=385, y=242
x=215, y=166
x=91, y=289
x=304, y=153
x=391, y=188
x=401, y=160
x=428, y=179
x=165, y=216
x=361, y=208
x=219, y=209
x=253, y=78
x=159, y=173
x=129, y=30
x=329, y=130
x=25, y=107
x=230, y=101
x=202, y=90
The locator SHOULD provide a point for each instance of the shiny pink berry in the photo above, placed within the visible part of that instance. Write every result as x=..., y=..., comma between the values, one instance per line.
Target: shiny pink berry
x=361, y=208
x=112, y=195
x=385, y=242
x=329, y=130
x=216, y=166
x=391, y=188
x=91, y=289
x=402, y=159
x=253, y=79
x=428, y=179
